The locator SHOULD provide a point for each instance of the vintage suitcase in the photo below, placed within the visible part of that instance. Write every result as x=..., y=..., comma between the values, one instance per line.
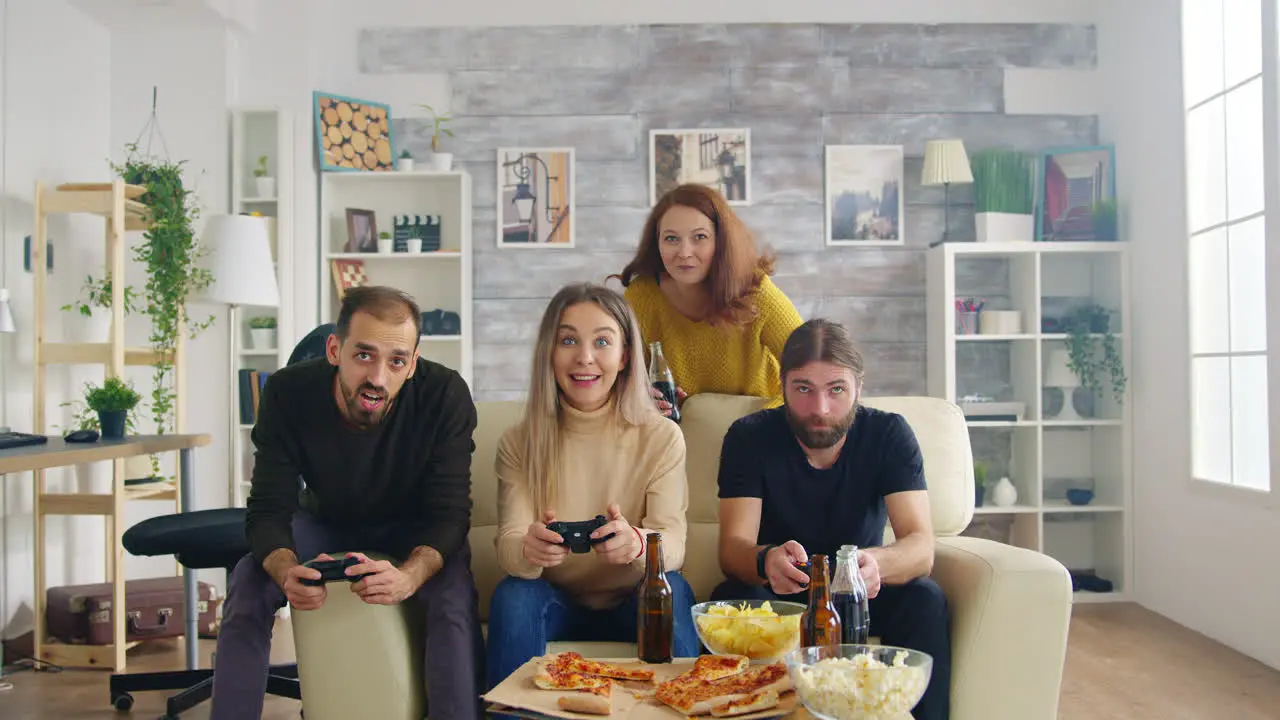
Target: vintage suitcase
x=81, y=614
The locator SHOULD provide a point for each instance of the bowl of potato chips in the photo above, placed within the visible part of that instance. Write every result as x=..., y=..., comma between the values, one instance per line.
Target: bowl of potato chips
x=762, y=630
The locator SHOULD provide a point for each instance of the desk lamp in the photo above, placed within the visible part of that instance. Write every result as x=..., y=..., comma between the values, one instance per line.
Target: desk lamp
x=243, y=274
x=945, y=162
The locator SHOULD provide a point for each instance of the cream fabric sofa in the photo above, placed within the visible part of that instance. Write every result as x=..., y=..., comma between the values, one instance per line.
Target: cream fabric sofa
x=1010, y=607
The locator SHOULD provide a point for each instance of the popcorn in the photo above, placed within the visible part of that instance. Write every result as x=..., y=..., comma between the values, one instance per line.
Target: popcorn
x=860, y=688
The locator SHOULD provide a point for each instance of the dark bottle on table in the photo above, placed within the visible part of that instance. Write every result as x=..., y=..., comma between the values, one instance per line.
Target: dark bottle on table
x=654, y=607
x=820, y=623
x=849, y=595
x=661, y=378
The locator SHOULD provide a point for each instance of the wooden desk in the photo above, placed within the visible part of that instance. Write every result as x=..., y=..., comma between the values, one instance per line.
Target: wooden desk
x=59, y=453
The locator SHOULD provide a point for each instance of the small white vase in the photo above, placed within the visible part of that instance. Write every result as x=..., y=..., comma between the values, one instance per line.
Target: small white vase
x=1004, y=227
x=404, y=164
x=262, y=338
x=266, y=187
x=441, y=161
x=386, y=246
x=414, y=245
x=1004, y=494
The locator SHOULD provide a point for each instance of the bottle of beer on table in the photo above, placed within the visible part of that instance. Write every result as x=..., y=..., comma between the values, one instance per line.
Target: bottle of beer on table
x=661, y=378
x=820, y=623
x=654, y=608
x=849, y=595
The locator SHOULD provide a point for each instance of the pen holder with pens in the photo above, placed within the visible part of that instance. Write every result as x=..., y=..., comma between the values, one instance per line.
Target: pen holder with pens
x=967, y=312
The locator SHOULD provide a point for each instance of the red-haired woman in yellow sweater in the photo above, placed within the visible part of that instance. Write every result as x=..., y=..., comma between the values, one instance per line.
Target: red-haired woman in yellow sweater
x=699, y=284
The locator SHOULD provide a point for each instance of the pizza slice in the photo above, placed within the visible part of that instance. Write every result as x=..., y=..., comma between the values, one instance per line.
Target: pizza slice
x=698, y=697
x=592, y=701
x=554, y=674
x=755, y=702
x=714, y=667
x=574, y=663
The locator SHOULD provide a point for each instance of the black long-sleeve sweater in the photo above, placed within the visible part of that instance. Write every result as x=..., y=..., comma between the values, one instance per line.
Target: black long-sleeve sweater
x=413, y=468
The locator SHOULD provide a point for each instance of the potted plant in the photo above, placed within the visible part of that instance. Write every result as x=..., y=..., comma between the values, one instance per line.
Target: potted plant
x=385, y=243
x=112, y=401
x=1088, y=359
x=266, y=183
x=94, y=307
x=979, y=482
x=1105, y=221
x=1002, y=196
x=405, y=163
x=262, y=332
x=439, y=160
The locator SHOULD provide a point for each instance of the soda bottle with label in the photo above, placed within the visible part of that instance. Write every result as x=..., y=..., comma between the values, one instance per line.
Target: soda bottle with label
x=661, y=378
x=849, y=595
x=654, y=606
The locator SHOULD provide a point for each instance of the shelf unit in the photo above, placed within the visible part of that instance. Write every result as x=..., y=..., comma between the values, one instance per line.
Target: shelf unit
x=117, y=203
x=435, y=279
x=258, y=132
x=1041, y=453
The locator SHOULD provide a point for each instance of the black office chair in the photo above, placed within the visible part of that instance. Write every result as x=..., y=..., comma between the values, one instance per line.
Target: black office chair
x=203, y=539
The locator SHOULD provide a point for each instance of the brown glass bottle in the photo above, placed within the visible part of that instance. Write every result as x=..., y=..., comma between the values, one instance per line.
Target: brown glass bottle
x=655, y=617
x=820, y=623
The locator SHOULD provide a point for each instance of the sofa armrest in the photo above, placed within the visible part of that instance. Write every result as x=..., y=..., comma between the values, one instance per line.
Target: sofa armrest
x=1010, y=612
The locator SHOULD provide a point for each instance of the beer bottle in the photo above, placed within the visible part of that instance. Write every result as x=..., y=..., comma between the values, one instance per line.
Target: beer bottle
x=849, y=595
x=661, y=378
x=656, y=618
x=820, y=623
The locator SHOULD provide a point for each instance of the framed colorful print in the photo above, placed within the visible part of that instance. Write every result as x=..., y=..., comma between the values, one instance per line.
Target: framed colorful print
x=535, y=197
x=1076, y=195
x=863, y=190
x=719, y=159
x=352, y=134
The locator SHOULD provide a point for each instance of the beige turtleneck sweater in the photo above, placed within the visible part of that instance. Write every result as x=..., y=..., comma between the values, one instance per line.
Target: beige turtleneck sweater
x=641, y=468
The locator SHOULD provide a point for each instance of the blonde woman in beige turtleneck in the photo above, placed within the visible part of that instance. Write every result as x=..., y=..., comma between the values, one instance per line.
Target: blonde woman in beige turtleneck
x=591, y=443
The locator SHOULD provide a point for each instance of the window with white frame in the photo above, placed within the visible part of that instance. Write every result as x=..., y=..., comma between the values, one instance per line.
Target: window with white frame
x=1226, y=222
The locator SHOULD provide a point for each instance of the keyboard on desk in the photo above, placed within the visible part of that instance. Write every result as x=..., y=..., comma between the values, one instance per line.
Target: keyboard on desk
x=17, y=439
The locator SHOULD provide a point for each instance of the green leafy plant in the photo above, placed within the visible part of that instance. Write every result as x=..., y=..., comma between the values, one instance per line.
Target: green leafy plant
x=1105, y=217
x=979, y=473
x=1092, y=361
x=114, y=395
x=96, y=293
x=406, y=155
x=439, y=120
x=262, y=322
x=261, y=169
x=384, y=235
x=1001, y=181
x=170, y=253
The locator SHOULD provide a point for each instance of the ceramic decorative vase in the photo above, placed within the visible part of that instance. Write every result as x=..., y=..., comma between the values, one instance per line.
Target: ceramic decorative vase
x=1004, y=493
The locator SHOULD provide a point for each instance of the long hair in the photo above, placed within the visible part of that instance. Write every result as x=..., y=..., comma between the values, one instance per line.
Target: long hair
x=542, y=416
x=737, y=265
x=822, y=340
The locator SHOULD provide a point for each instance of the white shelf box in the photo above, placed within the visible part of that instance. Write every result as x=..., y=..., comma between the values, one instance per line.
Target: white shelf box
x=1089, y=543
x=1084, y=458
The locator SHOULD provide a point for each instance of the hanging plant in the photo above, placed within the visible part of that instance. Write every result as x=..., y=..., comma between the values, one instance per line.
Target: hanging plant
x=1089, y=362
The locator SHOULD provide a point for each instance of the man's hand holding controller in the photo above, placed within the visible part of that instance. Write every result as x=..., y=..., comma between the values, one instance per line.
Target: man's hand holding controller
x=283, y=567
x=780, y=568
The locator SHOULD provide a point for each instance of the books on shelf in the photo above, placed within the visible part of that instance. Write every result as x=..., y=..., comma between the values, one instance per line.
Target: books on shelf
x=251, y=384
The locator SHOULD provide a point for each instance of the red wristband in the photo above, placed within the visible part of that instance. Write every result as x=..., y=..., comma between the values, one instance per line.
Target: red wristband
x=641, y=538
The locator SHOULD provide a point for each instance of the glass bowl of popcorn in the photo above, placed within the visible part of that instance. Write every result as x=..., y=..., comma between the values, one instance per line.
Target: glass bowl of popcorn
x=859, y=682
x=762, y=630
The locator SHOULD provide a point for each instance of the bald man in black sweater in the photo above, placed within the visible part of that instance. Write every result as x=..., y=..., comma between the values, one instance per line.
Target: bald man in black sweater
x=381, y=440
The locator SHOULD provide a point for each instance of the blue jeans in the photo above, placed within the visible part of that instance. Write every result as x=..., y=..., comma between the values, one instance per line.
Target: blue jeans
x=527, y=614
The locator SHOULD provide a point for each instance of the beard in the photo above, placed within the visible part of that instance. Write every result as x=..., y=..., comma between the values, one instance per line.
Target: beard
x=356, y=411
x=820, y=437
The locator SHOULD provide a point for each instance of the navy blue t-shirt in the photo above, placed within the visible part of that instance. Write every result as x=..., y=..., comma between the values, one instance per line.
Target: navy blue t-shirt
x=821, y=509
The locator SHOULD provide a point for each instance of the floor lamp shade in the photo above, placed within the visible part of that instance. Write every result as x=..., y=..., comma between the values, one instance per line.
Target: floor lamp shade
x=240, y=262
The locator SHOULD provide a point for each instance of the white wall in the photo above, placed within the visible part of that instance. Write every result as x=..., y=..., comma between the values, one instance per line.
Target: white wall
x=1192, y=543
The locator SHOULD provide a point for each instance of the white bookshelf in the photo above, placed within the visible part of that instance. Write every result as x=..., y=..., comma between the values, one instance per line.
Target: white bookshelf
x=1042, y=454
x=257, y=132
x=436, y=280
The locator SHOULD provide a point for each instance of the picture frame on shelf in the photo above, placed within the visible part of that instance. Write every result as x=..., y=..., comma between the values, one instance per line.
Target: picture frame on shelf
x=1076, y=195
x=863, y=191
x=719, y=158
x=362, y=231
x=535, y=195
x=352, y=135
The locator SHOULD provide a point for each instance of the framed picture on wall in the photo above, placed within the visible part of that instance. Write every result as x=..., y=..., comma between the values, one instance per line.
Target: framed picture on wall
x=863, y=189
x=362, y=231
x=535, y=197
x=1076, y=195
x=352, y=134
x=717, y=158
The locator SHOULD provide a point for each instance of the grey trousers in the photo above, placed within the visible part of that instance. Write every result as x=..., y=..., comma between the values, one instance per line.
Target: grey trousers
x=454, y=646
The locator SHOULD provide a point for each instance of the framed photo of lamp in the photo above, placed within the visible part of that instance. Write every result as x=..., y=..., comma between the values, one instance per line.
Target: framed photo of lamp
x=535, y=195
x=717, y=158
x=863, y=191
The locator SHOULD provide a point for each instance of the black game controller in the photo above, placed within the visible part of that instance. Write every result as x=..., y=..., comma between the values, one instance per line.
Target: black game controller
x=577, y=535
x=332, y=570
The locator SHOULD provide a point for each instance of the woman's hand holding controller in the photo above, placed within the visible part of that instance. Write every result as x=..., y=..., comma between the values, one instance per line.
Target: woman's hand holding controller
x=543, y=547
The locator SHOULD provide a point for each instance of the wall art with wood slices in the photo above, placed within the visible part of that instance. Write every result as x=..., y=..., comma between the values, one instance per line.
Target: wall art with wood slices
x=353, y=134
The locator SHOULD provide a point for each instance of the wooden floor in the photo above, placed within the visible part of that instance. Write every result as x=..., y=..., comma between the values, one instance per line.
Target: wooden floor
x=1123, y=663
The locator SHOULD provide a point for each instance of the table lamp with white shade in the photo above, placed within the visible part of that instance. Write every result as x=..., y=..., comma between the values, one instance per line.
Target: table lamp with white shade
x=945, y=162
x=1058, y=374
x=243, y=273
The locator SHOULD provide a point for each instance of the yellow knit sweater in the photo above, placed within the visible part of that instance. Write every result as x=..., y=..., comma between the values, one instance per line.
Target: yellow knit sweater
x=733, y=360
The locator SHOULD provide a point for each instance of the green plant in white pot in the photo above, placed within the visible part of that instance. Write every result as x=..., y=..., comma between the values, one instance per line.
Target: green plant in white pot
x=112, y=401
x=440, y=160
x=262, y=332
x=1002, y=196
x=266, y=185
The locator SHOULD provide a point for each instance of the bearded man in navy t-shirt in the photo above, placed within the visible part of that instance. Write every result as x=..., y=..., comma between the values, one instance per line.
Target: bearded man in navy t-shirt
x=824, y=471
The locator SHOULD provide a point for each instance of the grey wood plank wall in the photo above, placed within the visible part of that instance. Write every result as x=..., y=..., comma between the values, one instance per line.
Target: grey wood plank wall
x=798, y=87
